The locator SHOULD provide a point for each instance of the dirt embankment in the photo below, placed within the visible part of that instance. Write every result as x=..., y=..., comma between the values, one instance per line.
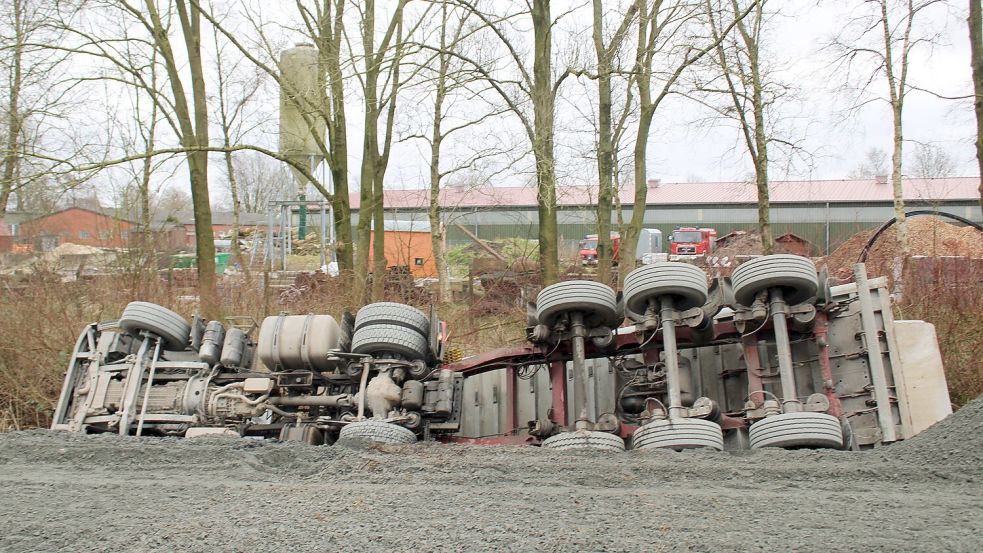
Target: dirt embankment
x=105, y=493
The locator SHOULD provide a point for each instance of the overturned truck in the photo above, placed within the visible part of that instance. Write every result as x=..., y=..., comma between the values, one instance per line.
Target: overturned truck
x=770, y=357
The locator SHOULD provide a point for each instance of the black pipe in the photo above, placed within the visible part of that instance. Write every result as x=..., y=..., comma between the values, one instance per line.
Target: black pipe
x=864, y=252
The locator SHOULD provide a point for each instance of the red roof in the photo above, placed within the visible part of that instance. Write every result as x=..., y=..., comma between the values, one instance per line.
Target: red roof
x=815, y=191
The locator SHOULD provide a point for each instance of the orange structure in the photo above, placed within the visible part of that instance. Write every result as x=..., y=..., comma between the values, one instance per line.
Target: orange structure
x=407, y=244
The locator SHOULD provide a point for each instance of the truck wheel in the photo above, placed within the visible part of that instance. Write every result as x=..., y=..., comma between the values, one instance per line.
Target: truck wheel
x=795, y=275
x=585, y=439
x=595, y=300
x=390, y=339
x=797, y=430
x=392, y=313
x=685, y=283
x=141, y=316
x=679, y=434
x=377, y=431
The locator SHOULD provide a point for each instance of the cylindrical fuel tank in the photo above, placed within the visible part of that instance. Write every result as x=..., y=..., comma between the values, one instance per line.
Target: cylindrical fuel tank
x=211, y=343
x=298, y=342
x=233, y=348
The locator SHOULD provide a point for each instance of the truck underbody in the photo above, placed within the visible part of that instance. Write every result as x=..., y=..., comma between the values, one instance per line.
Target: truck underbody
x=770, y=357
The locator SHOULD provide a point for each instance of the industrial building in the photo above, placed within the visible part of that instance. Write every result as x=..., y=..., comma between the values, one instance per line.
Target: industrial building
x=825, y=212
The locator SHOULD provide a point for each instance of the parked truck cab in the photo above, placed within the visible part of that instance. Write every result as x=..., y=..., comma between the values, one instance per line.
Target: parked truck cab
x=692, y=241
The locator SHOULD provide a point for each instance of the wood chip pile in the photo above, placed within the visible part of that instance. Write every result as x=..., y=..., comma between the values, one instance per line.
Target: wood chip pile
x=927, y=236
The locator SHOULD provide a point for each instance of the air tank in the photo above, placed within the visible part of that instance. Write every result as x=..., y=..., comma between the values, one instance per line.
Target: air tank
x=210, y=350
x=233, y=348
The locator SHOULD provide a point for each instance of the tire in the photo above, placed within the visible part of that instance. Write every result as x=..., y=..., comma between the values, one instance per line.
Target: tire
x=685, y=283
x=795, y=275
x=678, y=434
x=797, y=430
x=388, y=338
x=160, y=321
x=377, y=431
x=585, y=439
x=596, y=301
x=392, y=313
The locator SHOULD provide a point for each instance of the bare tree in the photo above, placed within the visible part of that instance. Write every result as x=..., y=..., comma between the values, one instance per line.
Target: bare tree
x=235, y=89
x=378, y=102
x=259, y=179
x=931, y=162
x=15, y=81
x=755, y=97
x=675, y=35
x=191, y=128
x=448, y=81
x=187, y=117
x=605, y=56
x=323, y=22
x=530, y=94
x=878, y=44
x=874, y=164
x=35, y=95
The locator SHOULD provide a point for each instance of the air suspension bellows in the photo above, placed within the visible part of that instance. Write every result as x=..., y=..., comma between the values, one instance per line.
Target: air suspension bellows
x=658, y=298
x=779, y=282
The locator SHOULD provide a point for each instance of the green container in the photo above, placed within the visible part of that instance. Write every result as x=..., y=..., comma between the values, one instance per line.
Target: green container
x=222, y=262
x=189, y=261
x=183, y=261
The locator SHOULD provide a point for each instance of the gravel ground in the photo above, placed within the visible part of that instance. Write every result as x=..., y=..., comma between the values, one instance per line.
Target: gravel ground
x=104, y=493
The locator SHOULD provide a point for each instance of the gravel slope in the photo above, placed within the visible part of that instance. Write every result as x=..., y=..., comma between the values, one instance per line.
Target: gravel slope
x=104, y=493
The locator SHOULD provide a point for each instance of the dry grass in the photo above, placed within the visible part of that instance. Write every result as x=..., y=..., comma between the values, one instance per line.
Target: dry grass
x=951, y=298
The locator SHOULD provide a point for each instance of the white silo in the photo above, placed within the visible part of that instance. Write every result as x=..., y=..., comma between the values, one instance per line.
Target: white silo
x=301, y=116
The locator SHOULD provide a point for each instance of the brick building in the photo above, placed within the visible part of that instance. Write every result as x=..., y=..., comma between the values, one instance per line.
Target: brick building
x=6, y=237
x=77, y=225
x=107, y=228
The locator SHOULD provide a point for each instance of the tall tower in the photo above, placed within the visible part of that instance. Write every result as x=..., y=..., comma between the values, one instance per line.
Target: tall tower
x=301, y=119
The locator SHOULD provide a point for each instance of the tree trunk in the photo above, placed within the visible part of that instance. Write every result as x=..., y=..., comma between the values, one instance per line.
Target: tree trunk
x=630, y=234
x=234, y=190
x=896, y=86
x=370, y=146
x=646, y=112
x=204, y=239
x=14, y=120
x=147, y=239
x=379, y=262
x=605, y=149
x=374, y=162
x=976, y=54
x=193, y=131
x=338, y=134
x=760, y=136
x=543, y=110
x=899, y=207
x=436, y=139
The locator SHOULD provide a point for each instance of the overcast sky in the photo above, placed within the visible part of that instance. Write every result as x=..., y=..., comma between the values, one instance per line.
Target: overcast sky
x=681, y=148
